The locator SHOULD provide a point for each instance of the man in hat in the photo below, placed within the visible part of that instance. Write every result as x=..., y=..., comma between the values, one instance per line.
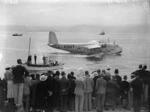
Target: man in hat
x=9, y=78
x=42, y=93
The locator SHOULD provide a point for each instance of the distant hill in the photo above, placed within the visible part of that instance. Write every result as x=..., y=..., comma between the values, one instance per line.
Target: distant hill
x=24, y=28
x=78, y=28
x=13, y=28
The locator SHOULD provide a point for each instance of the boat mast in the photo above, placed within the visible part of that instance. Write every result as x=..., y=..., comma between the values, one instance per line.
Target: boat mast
x=29, y=46
x=148, y=54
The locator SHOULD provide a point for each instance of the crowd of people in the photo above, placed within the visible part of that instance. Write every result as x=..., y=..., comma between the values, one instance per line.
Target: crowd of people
x=73, y=92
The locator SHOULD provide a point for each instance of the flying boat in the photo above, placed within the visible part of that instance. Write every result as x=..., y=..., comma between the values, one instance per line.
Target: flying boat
x=90, y=48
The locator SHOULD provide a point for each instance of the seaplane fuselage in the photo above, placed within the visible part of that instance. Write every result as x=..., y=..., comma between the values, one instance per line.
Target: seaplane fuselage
x=85, y=48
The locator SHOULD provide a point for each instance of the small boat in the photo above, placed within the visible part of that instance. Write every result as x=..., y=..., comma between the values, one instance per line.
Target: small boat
x=39, y=68
x=102, y=33
x=16, y=34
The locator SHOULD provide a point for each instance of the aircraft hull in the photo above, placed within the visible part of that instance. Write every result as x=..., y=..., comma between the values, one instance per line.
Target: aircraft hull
x=107, y=49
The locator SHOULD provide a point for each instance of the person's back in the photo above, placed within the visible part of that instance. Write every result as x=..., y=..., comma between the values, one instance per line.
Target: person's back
x=79, y=94
x=71, y=95
x=26, y=92
x=111, y=95
x=117, y=76
x=72, y=86
x=33, y=87
x=41, y=93
x=107, y=75
x=64, y=86
x=137, y=86
x=125, y=87
x=149, y=91
x=51, y=83
x=119, y=79
x=101, y=86
x=80, y=86
x=108, y=72
x=89, y=84
x=19, y=71
x=112, y=86
x=94, y=80
x=27, y=85
x=3, y=92
x=57, y=86
x=8, y=75
x=10, y=85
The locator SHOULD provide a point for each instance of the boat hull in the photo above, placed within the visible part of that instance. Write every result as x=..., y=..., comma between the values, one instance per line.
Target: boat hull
x=37, y=69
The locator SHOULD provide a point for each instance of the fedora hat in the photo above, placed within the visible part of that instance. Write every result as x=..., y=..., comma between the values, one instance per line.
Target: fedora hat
x=7, y=67
x=43, y=78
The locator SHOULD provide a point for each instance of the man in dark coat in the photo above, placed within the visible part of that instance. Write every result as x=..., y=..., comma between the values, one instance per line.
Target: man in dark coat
x=71, y=95
x=19, y=72
x=145, y=80
x=137, y=86
x=3, y=93
x=117, y=76
x=35, y=57
x=42, y=93
x=118, y=79
x=56, y=93
x=149, y=92
x=51, y=86
x=64, y=87
x=140, y=71
x=125, y=87
x=29, y=60
x=33, y=91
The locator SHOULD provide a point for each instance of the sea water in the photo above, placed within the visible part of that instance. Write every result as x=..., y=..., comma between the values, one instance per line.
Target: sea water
x=135, y=50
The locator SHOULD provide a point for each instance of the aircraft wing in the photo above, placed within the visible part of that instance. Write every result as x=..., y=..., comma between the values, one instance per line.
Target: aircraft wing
x=92, y=46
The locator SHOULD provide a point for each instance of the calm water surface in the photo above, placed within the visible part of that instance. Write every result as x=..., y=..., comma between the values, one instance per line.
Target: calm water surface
x=135, y=50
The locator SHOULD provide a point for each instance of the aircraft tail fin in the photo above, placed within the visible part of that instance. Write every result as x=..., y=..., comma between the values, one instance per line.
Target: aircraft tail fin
x=52, y=38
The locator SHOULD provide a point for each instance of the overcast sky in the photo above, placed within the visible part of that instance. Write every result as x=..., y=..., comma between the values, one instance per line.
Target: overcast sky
x=74, y=12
